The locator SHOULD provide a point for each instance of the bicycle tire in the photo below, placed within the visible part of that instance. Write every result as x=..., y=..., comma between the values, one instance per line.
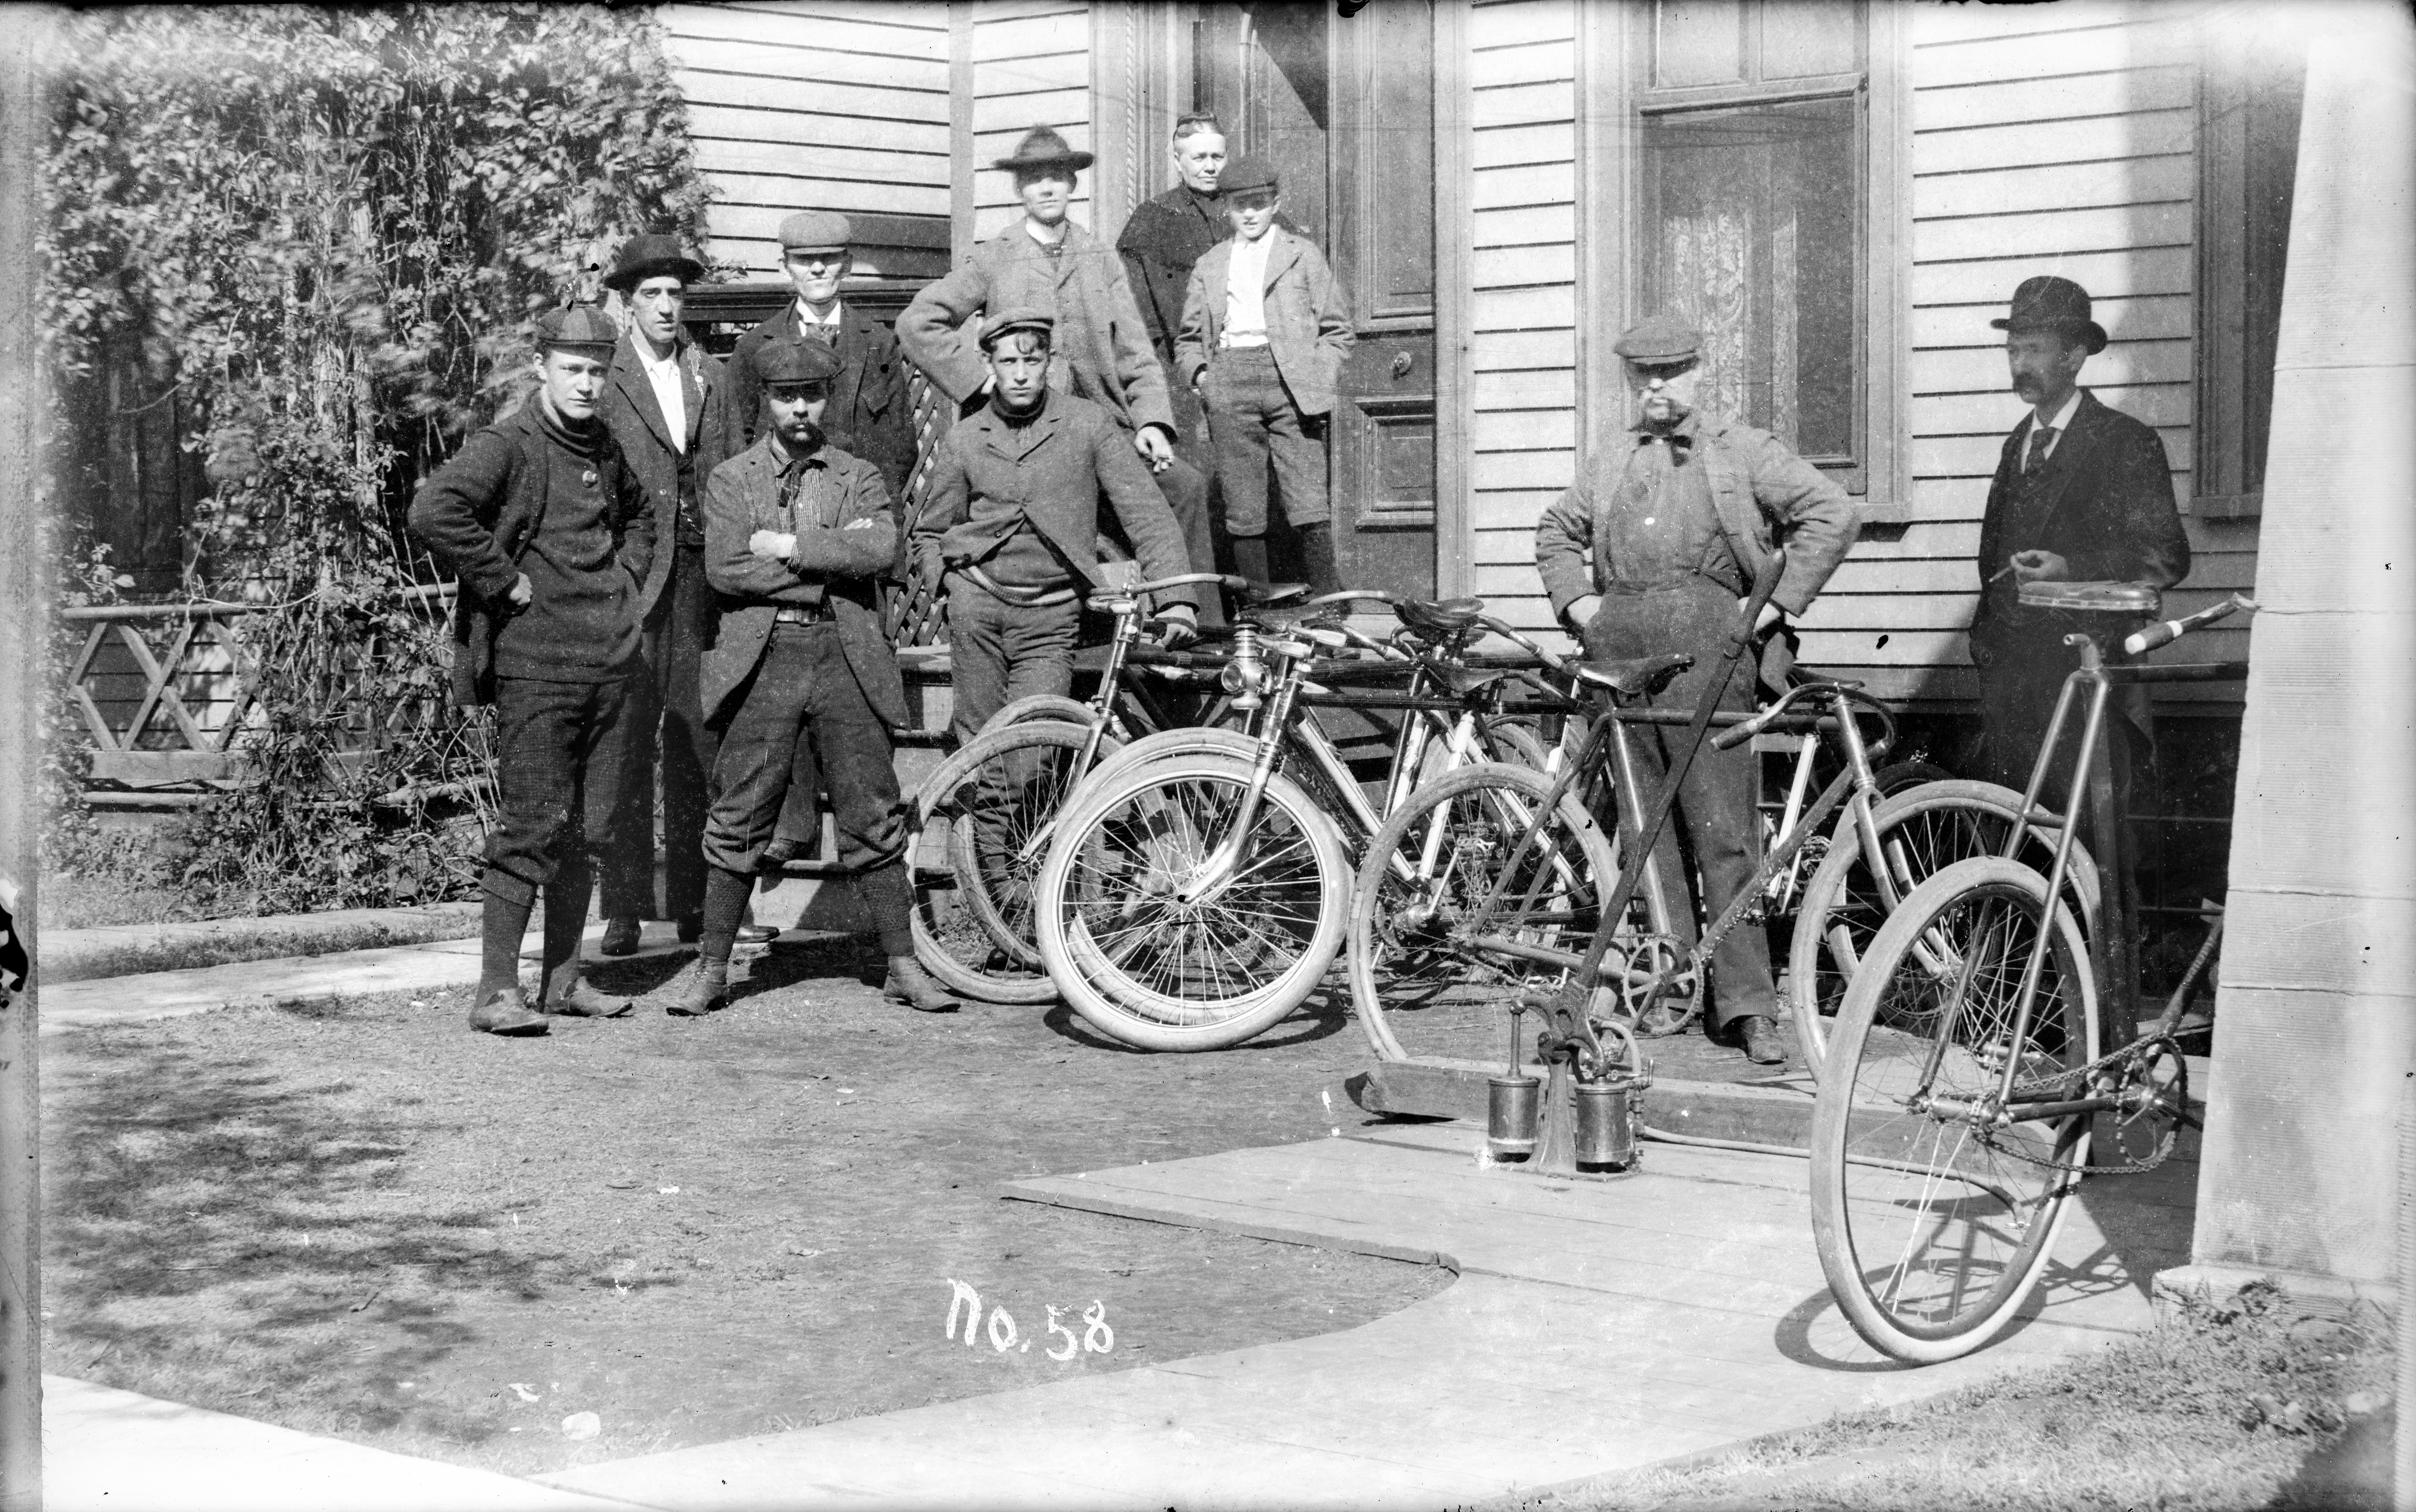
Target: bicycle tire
x=1042, y=707
x=1925, y=828
x=1417, y=993
x=1212, y=974
x=1026, y=771
x=1932, y=1233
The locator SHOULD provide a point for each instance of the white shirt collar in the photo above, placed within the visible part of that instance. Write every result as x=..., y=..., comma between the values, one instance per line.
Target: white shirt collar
x=646, y=357
x=806, y=315
x=2062, y=420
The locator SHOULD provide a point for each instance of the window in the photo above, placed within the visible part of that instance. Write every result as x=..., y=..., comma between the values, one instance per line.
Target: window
x=2248, y=160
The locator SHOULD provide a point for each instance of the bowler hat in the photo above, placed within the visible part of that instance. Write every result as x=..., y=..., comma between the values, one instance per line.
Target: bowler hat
x=1020, y=318
x=2048, y=303
x=792, y=360
x=1043, y=148
x=651, y=256
x=1243, y=174
x=1659, y=338
x=816, y=231
x=575, y=325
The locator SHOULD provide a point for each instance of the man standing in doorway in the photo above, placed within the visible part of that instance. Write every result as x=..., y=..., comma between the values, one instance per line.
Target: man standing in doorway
x=552, y=539
x=654, y=407
x=1047, y=262
x=1680, y=509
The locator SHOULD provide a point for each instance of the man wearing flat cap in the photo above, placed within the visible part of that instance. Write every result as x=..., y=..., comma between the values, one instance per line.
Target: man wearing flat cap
x=654, y=407
x=553, y=537
x=2082, y=494
x=795, y=533
x=1044, y=262
x=1653, y=550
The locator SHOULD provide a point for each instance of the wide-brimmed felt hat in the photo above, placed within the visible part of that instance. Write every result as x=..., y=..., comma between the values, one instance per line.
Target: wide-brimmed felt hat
x=576, y=325
x=1659, y=338
x=816, y=231
x=796, y=359
x=651, y=256
x=1043, y=148
x=2048, y=303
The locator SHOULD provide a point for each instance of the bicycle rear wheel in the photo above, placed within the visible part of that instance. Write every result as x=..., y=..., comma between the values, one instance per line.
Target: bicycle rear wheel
x=1425, y=981
x=1923, y=830
x=1931, y=1226
x=1146, y=966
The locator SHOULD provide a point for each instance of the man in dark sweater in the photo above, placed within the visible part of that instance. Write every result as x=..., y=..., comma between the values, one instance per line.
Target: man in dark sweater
x=550, y=536
x=1165, y=236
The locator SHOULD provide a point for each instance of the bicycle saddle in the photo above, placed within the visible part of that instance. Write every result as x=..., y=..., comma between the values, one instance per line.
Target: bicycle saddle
x=1646, y=674
x=1445, y=617
x=2135, y=599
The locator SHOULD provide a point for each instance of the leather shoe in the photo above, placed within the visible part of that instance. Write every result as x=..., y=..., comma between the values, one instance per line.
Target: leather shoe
x=578, y=998
x=757, y=934
x=705, y=992
x=504, y=1011
x=620, y=937
x=1759, y=1034
x=910, y=984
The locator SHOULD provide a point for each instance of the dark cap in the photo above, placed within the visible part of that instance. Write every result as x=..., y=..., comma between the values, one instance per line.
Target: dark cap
x=1043, y=148
x=576, y=325
x=1662, y=338
x=1021, y=318
x=651, y=256
x=816, y=231
x=1243, y=174
x=796, y=359
x=2048, y=303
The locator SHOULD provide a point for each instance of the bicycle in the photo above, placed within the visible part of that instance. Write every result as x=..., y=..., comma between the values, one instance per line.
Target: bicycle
x=1967, y=1096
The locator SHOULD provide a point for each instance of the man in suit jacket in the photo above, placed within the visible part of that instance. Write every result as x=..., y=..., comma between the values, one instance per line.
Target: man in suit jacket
x=654, y=402
x=795, y=533
x=1265, y=333
x=554, y=542
x=2082, y=494
x=1044, y=262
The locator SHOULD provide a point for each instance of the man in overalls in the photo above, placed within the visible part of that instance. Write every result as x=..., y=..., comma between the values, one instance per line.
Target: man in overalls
x=1678, y=510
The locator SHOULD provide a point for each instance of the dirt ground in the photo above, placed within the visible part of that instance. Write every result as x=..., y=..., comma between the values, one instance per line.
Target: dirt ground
x=364, y=1219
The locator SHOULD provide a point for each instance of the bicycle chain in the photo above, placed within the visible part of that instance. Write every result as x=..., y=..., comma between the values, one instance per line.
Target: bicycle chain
x=2143, y=1049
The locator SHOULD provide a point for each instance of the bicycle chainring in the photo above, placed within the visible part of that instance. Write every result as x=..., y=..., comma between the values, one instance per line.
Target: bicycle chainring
x=1657, y=985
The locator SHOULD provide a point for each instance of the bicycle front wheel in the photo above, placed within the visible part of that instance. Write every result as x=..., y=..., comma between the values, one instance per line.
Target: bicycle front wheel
x=1932, y=1221
x=1431, y=962
x=1168, y=926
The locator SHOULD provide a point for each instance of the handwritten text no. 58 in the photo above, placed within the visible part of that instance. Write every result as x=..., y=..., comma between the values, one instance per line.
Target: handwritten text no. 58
x=1096, y=1337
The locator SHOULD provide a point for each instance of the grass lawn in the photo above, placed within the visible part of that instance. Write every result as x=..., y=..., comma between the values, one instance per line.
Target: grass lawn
x=2197, y=1413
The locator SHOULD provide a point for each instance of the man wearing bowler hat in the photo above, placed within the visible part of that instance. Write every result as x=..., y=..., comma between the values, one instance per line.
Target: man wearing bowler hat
x=655, y=406
x=797, y=531
x=1679, y=510
x=552, y=538
x=1102, y=351
x=2082, y=494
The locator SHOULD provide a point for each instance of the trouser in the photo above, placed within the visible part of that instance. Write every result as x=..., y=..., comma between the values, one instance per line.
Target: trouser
x=1717, y=801
x=663, y=703
x=1000, y=652
x=1185, y=489
x=557, y=759
x=1252, y=421
x=803, y=690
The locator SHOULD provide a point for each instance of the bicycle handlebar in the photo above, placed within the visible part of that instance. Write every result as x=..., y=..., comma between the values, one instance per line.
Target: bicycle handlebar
x=1737, y=734
x=2142, y=642
x=1374, y=595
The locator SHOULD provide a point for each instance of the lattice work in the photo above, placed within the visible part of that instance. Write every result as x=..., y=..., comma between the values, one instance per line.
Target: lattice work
x=916, y=613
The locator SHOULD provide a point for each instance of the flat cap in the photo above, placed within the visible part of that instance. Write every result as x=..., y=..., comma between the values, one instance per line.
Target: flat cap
x=1243, y=174
x=579, y=326
x=1659, y=338
x=816, y=231
x=1018, y=318
x=797, y=359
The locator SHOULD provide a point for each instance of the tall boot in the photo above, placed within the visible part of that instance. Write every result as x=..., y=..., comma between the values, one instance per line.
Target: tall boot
x=888, y=895
x=498, y=1008
x=1316, y=559
x=725, y=899
x=562, y=987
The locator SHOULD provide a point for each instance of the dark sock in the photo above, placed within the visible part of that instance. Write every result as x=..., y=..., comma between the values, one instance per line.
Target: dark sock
x=1250, y=557
x=1316, y=559
x=499, y=935
x=566, y=915
x=725, y=904
x=889, y=898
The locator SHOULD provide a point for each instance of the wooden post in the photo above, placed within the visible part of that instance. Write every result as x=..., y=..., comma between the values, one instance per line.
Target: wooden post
x=25, y=574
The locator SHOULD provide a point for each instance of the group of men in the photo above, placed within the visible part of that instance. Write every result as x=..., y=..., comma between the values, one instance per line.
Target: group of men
x=668, y=565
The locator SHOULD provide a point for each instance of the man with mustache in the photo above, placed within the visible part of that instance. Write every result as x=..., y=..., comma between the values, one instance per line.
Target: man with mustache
x=1679, y=510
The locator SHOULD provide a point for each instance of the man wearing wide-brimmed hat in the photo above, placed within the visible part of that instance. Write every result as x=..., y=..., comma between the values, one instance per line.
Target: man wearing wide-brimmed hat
x=2082, y=492
x=553, y=539
x=1046, y=261
x=655, y=404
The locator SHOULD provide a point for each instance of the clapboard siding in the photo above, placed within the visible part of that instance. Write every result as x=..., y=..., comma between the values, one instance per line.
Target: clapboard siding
x=838, y=104
x=1031, y=66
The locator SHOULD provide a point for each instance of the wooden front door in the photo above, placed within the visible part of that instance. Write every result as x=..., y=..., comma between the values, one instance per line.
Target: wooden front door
x=1344, y=105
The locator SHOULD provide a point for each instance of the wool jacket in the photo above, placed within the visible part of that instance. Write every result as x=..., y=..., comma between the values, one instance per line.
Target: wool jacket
x=1309, y=319
x=869, y=416
x=1011, y=271
x=1765, y=496
x=1163, y=240
x=478, y=513
x=847, y=534
x=643, y=434
x=1053, y=470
